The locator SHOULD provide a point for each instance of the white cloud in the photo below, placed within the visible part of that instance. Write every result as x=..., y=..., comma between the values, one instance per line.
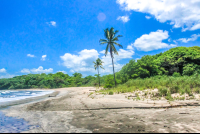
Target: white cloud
x=30, y=55
x=82, y=62
x=137, y=59
x=123, y=54
x=52, y=23
x=37, y=70
x=3, y=70
x=25, y=71
x=180, y=13
x=193, y=38
x=175, y=41
x=102, y=52
x=7, y=76
x=130, y=47
x=41, y=70
x=43, y=57
x=152, y=41
x=63, y=72
x=147, y=17
x=195, y=27
x=123, y=18
x=72, y=71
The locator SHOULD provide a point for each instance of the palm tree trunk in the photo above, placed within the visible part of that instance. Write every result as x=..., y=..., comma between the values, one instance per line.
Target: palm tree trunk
x=113, y=71
x=99, y=77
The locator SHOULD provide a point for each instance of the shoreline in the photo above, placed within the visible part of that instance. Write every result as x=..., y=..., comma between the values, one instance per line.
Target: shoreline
x=29, y=99
x=75, y=110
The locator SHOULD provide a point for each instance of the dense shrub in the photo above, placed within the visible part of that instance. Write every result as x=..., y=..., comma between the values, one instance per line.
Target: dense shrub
x=109, y=81
x=175, y=74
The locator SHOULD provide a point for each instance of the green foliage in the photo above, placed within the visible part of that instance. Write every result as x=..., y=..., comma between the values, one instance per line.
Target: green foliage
x=109, y=81
x=163, y=91
x=90, y=94
x=174, y=89
x=175, y=74
x=182, y=98
x=196, y=90
x=169, y=97
x=58, y=80
x=177, y=70
x=176, y=61
x=188, y=90
x=165, y=84
x=190, y=69
x=111, y=93
x=138, y=98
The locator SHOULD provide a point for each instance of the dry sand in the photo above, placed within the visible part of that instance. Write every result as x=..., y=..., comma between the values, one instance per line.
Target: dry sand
x=75, y=110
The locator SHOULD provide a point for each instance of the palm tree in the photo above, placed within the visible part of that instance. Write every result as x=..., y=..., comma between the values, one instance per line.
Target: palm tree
x=98, y=64
x=110, y=40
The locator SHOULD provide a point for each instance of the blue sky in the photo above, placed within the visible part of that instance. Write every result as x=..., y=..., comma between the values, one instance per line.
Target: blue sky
x=47, y=36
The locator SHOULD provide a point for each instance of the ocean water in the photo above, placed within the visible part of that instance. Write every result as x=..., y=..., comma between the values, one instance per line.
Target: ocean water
x=12, y=95
x=11, y=124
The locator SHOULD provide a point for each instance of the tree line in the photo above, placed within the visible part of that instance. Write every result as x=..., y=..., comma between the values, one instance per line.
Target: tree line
x=177, y=61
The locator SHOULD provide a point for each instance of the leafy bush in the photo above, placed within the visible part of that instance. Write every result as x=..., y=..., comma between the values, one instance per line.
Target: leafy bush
x=174, y=89
x=196, y=90
x=188, y=90
x=169, y=97
x=138, y=98
x=175, y=74
x=109, y=81
x=111, y=93
x=188, y=69
x=163, y=91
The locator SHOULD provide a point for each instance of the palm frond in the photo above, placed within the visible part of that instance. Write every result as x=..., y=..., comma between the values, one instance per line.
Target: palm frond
x=118, y=44
x=107, y=47
x=103, y=43
x=103, y=40
x=118, y=36
x=106, y=33
x=112, y=33
x=102, y=67
x=114, y=49
x=112, y=30
x=115, y=39
x=117, y=31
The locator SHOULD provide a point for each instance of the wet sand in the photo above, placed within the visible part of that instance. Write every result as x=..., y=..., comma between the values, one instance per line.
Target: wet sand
x=76, y=110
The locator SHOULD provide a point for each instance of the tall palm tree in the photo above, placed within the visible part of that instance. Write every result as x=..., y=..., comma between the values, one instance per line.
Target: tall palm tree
x=110, y=40
x=98, y=63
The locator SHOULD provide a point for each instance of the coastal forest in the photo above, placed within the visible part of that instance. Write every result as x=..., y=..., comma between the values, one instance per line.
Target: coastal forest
x=178, y=67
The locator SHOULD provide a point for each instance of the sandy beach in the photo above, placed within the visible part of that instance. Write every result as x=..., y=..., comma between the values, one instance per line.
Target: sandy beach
x=76, y=110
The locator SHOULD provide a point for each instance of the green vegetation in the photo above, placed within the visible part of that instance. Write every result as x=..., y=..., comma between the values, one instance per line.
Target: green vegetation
x=110, y=40
x=165, y=85
x=179, y=60
x=174, y=71
x=111, y=93
x=58, y=80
